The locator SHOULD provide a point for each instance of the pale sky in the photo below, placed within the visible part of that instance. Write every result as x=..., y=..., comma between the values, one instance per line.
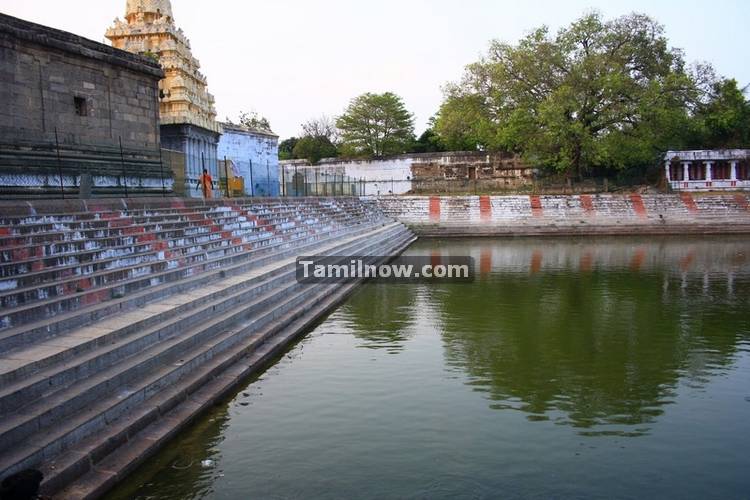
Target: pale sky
x=291, y=60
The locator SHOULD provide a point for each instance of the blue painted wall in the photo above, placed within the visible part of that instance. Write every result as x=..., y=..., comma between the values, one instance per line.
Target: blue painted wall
x=255, y=156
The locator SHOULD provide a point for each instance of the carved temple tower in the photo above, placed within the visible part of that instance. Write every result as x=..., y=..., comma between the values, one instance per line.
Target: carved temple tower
x=188, y=116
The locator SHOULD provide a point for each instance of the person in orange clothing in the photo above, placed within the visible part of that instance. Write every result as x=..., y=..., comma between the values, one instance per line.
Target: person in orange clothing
x=206, y=184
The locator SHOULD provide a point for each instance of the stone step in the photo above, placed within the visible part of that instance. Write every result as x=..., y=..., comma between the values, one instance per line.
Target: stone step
x=57, y=213
x=125, y=281
x=68, y=316
x=87, y=265
x=171, y=358
x=160, y=319
x=129, y=227
x=48, y=254
x=107, y=457
x=94, y=376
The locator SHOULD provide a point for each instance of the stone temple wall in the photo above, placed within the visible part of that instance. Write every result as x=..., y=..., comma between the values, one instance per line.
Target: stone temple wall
x=60, y=89
x=417, y=173
x=604, y=214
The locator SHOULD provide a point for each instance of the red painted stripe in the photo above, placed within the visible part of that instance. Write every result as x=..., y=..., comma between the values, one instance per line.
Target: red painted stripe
x=587, y=262
x=485, y=262
x=536, y=206
x=742, y=201
x=20, y=254
x=435, y=208
x=436, y=258
x=131, y=230
x=689, y=202
x=588, y=204
x=145, y=238
x=536, y=261
x=638, y=206
x=485, y=208
x=117, y=223
x=687, y=261
x=638, y=258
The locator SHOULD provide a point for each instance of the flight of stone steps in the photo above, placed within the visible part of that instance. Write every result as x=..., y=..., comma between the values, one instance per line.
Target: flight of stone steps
x=584, y=214
x=119, y=325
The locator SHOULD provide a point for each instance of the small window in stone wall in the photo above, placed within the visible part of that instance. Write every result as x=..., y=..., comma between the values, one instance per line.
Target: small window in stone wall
x=81, y=106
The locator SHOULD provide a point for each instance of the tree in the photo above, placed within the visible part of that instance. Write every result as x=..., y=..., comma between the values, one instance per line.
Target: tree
x=599, y=94
x=323, y=126
x=376, y=125
x=428, y=142
x=253, y=120
x=286, y=148
x=313, y=149
x=725, y=117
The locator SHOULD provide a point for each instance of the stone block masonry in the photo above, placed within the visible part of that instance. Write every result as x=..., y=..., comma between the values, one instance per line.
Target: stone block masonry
x=123, y=319
x=58, y=88
x=567, y=214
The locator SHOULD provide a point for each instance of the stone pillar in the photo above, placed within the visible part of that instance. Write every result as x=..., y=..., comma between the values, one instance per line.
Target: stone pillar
x=669, y=173
x=734, y=171
x=686, y=167
x=709, y=174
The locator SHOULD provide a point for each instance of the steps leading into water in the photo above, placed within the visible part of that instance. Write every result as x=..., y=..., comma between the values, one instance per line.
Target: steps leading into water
x=77, y=385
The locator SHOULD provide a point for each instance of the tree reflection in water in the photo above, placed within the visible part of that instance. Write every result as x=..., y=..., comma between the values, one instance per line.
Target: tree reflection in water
x=594, y=335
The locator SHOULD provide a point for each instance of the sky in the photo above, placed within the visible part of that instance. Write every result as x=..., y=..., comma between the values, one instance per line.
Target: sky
x=292, y=60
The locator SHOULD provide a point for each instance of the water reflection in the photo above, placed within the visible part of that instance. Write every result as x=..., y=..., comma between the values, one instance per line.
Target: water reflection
x=382, y=318
x=596, y=335
x=528, y=383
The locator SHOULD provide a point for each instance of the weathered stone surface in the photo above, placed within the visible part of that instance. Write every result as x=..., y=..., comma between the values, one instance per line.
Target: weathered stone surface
x=570, y=214
x=99, y=387
x=56, y=87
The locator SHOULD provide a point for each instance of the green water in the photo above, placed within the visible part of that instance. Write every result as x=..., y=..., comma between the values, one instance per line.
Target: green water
x=591, y=368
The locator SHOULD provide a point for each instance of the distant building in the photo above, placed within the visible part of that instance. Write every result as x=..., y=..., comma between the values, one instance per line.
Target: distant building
x=188, y=116
x=409, y=173
x=58, y=89
x=252, y=155
x=706, y=170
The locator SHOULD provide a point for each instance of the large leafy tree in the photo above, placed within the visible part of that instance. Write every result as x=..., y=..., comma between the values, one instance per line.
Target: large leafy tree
x=314, y=149
x=599, y=93
x=376, y=125
x=286, y=148
x=725, y=117
x=318, y=140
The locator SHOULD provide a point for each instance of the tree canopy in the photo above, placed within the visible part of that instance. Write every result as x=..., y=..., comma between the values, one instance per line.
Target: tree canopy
x=314, y=149
x=253, y=120
x=286, y=148
x=376, y=125
x=724, y=119
x=599, y=93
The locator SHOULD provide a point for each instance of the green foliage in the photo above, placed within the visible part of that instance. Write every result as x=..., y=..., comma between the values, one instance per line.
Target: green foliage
x=286, y=148
x=313, y=149
x=725, y=117
x=599, y=94
x=376, y=125
x=428, y=142
x=253, y=120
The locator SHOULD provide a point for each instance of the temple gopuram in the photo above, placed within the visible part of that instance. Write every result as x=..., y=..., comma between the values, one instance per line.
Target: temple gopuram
x=188, y=116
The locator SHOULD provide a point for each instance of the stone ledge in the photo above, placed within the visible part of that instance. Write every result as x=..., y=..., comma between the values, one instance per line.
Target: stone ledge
x=14, y=28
